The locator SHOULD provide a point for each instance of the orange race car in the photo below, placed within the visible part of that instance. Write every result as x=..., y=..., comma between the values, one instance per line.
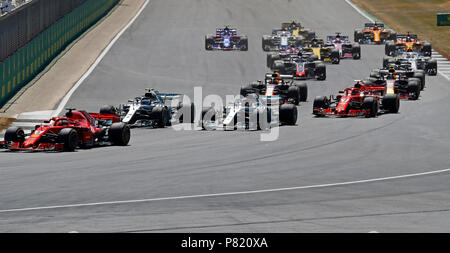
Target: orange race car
x=407, y=43
x=374, y=33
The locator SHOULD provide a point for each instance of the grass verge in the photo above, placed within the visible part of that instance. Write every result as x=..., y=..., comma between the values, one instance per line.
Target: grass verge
x=415, y=16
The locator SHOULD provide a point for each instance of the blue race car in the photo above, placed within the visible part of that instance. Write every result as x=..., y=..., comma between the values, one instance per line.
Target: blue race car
x=226, y=39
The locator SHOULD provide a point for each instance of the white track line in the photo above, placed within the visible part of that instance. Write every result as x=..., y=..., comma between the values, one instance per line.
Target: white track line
x=371, y=20
x=225, y=193
x=97, y=61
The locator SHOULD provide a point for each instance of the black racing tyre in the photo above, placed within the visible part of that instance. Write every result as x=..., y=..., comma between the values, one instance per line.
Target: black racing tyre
x=389, y=48
x=414, y=88
x=119, y=134
x=161, y=115
x=356, y=52
x=321, y=71
x=14, y=134
x=358, y=36
x=371, y=104
x=335, y=57
x=108, y=109
x=209, y=41
x=244, y=43
x=431, y=67
x=69, y=137
x=321, y=102
x=420, y=74
x=309, y=34
x=271, y=57
x=303, y=88
x=187, y=109
x=426, y=49
x=266, y=43
x=294, y=94
x=391, y=103
x=288, y=114
x=246, y=90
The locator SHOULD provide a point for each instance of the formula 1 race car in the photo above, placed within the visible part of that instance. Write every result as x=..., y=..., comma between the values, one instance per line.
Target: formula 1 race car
x=407, y=43
x=282, y=55
x=153, y=109
x=301, y=67
x=298, y=30
x=395, y=82
x=281, y=40
x=278, y=85
x=358, y=100
x=374, y=33
x=76, y=129
x=323, y=52
x=346, y=48
x=413, y=61
x=252, y=112
x=226, y=39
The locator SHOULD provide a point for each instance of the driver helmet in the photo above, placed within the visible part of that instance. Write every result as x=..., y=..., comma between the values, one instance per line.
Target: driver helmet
x=391, y=69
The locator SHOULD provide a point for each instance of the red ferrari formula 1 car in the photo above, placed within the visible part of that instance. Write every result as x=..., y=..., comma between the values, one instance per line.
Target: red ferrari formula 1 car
x=359, y=100
x=76, y=129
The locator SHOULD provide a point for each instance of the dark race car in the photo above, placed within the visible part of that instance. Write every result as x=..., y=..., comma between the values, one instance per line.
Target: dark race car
x=403, y=70
x=394, y=81
x=358, y=100
x=300, y=66
x=346, y=48
x=282, y=86
x=226, y=39
x=76, y=129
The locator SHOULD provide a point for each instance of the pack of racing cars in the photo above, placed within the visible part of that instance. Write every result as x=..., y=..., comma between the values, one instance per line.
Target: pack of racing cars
x=295, y=53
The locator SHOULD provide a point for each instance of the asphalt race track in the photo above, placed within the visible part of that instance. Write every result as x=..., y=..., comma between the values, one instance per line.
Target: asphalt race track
x=164, y=49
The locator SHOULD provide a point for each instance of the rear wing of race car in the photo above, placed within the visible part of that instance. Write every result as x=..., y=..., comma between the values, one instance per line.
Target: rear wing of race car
x=331, y=38
x=373, y=24
x=318, y=41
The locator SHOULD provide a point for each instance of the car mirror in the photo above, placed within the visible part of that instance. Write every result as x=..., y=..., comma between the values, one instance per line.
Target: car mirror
x=341, y=91
x=47, y=121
